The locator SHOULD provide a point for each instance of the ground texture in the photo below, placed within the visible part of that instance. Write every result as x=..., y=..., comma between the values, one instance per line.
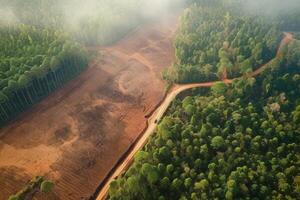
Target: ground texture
x=76, y=135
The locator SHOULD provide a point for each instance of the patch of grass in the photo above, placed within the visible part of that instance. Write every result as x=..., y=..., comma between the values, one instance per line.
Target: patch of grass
x=46, y=186
x=36, y=184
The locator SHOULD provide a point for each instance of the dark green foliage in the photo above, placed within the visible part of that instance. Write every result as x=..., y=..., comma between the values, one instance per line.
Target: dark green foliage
x=241, y=142
x=46, y=186
x=293, y=53
x=13, y=197
x=216, y=39
x=249, y=154
x=36, y=184
x=28, y=189
x=33, y=63
x=217, y=142
x=219, y=88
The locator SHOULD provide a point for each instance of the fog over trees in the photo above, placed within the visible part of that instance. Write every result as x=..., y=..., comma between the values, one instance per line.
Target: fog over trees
x=235, y=141
x=239, y=139
x=43, y=42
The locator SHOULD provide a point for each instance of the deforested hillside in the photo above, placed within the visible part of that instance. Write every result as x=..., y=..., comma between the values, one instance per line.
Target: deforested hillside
x=76, y=80
x=240, y=138
x=234, y=142
x=43, y=42
x=75, y=135
x=139, y=99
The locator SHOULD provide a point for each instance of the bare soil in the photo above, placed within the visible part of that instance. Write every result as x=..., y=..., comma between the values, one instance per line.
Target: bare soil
x=127, y=159
x=76, y=135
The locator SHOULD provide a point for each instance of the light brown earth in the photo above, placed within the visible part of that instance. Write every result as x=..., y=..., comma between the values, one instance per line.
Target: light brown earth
x=176, y=89
x=76, y=135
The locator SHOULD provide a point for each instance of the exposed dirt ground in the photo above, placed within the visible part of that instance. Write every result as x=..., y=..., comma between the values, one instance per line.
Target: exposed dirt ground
x=126, y=161
x=76, y=135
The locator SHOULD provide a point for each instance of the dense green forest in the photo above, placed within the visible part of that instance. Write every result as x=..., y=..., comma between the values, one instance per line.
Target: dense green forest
x=215, y=38
x=42, y=42
x=33, y=63
x=237, y=141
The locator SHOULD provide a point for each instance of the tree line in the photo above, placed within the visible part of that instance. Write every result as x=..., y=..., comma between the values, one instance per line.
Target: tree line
x=234, y=142
x=238, y=141
x=33, y=63
x=215, y=38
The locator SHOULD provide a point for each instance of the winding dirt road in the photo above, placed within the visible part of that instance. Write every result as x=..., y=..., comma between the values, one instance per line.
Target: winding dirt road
x=158, y=114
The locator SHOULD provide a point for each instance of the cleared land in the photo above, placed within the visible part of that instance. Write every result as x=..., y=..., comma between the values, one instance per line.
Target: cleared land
x=159, y=112
x=76, y=135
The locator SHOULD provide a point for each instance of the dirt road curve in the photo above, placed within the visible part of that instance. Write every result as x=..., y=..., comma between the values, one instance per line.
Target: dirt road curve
x=288, y=37
x=78, y=133
x=158, y=114
x=151, y=127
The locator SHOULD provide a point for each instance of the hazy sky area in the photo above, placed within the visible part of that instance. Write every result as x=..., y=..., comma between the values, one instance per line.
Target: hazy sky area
x=97, y=18
x=90, y=20
x=7, y=15
x=272, y=6
x=76, y=10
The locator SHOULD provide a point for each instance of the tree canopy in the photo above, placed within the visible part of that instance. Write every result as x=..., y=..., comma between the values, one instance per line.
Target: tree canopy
x=238, y=141
x=34, y=62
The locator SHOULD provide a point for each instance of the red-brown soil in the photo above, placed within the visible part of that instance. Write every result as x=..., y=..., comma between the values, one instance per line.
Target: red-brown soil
x=157, y=114
x=76, y=135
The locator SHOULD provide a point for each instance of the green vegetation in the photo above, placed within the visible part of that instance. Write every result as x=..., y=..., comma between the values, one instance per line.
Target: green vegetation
x=242, y=144
x=214, y=39
x=40, y=47
x=33, y=63
x=32, y=187
x=46, y=186
x=237, y=141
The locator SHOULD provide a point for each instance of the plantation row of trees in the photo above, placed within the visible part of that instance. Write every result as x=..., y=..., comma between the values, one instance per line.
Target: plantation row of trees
x=215, y=38
x=238, y=141
x=39, y=46
x=37, y=184
x=33, y=63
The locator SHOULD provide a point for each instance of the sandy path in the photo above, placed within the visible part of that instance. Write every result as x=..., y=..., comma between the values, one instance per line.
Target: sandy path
x=159, y=112
x=75, y=136
x=288, y=37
